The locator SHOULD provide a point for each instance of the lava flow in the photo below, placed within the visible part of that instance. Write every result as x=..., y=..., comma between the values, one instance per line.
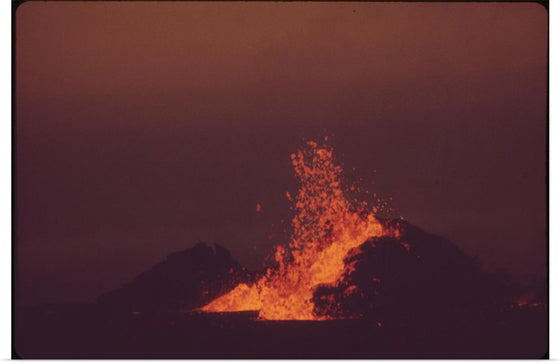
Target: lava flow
x=326, y=226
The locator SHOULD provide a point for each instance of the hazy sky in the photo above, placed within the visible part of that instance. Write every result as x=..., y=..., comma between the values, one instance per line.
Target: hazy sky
x=144, y=127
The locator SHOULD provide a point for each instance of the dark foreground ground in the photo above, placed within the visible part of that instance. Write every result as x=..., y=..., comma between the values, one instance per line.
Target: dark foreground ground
x=86, y=331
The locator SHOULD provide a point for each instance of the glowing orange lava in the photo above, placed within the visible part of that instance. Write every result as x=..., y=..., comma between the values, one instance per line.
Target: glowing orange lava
x=325, y=228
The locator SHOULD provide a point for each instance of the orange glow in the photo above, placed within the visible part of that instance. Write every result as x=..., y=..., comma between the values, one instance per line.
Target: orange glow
x=258, y=208
x=326, y=226
x=526, y=303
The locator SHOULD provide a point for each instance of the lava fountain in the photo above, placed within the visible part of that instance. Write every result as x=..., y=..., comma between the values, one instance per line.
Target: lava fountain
x=326, y=226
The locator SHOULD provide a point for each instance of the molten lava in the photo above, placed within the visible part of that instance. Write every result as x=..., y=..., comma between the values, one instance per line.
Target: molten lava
x=326, y=226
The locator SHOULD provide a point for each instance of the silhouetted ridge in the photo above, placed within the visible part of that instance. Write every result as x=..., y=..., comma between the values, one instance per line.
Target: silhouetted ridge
x=185, y=280
x=415, y=296
x=416, y=277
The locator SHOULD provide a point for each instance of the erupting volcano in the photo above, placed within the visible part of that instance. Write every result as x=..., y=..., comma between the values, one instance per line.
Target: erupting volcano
x=327, y=225
x=362, y=277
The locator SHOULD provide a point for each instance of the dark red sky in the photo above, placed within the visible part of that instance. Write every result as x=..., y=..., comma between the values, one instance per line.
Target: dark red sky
x=144, y=127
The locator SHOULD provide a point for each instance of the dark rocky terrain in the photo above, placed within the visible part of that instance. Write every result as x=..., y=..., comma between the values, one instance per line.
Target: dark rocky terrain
x=184, y=281
x=417, y=296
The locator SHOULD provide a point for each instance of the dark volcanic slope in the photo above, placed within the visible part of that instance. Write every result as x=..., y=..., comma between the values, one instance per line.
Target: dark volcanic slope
x=417, y=296
x=185, y=280
x=391, y=280
x=413, y=276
